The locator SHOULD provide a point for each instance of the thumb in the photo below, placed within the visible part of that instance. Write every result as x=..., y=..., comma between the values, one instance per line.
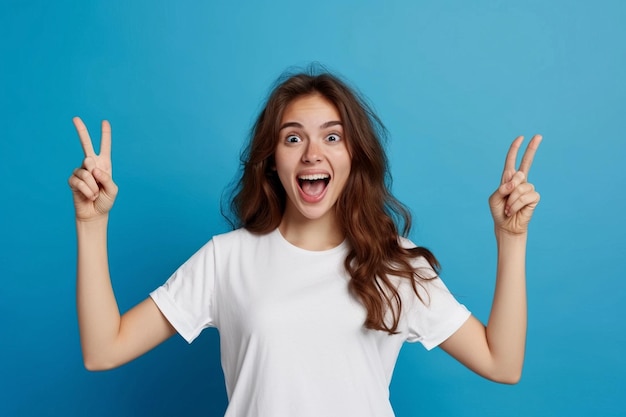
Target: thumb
x=105, y=180
x=506, y=188
x=89, y=164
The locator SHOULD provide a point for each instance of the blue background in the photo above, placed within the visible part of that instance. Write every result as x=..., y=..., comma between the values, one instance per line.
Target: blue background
x=181, y=82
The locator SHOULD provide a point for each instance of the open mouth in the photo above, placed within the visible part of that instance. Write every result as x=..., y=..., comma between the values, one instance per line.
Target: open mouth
x=313, y=184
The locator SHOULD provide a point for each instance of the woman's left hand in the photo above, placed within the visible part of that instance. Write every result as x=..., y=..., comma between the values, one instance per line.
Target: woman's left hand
x=513, y=203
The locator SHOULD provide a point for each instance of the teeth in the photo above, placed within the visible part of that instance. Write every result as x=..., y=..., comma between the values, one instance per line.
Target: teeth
x=313, y=177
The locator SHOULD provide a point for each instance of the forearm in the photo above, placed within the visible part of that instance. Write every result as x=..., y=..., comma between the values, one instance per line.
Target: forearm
x=98, y=313
x=506, y=329
x=497, y=350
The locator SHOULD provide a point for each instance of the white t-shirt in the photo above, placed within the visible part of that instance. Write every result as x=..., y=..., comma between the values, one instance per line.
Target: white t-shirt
x=292, y=337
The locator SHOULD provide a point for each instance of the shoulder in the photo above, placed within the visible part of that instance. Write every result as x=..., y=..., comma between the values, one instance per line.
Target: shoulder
x=239, y=238
x=240, y=234
x=233, y=235
x=406, y=243
x=420, y=261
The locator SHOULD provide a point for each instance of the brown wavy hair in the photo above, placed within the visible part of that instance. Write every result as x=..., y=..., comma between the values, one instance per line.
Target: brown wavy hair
x=371, y=217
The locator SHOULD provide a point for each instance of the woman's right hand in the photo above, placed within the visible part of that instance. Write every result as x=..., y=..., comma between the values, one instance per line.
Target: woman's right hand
x=92, y=184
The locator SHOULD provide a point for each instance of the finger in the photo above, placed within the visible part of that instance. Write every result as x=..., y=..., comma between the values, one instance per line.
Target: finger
x=508, y=187
x=83, y=135
x=89, y=163
x=106, y=181
x=88, y=178
x=511, y=160
x=523, y=188
x=529, y=154
x=527, y=200
x=82, y=182
x=105, y=140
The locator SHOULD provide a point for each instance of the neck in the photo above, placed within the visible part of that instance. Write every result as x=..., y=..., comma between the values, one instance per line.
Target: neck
x=315, y=235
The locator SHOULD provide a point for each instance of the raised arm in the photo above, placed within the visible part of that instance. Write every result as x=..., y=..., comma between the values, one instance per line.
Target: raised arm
x=496, y=351
x=107, y=339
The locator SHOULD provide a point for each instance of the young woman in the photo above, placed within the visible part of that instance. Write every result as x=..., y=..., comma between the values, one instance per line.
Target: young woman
x=316, y=290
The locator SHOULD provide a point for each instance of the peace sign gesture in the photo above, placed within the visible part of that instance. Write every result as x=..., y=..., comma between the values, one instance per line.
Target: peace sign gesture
x=513, y=203
x=92, y=185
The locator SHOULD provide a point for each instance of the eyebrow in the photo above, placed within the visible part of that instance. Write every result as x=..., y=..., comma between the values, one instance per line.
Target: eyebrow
x=323, y=126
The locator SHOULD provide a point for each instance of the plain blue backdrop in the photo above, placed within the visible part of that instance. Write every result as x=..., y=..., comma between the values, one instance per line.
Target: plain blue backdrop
x=181, y=83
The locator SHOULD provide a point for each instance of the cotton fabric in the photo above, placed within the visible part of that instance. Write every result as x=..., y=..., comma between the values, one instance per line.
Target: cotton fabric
x=292, y=336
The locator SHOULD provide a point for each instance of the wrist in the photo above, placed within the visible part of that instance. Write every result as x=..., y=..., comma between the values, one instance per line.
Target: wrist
x=93, y=223
x=503, y=236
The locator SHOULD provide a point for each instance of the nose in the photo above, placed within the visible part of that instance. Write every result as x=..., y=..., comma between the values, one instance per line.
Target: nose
x=312, y=153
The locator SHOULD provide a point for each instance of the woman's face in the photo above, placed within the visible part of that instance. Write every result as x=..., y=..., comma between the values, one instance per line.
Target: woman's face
x=312, y=157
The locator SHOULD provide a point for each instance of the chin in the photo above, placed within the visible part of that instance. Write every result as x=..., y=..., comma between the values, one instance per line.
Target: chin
x=319, y=212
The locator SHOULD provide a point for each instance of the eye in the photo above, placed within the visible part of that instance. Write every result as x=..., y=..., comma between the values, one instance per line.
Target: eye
x=333, y=138
x=292, y=139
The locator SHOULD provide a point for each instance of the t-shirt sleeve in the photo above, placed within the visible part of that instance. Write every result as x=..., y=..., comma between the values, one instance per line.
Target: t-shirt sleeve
x=436, y=316
x=187, y=297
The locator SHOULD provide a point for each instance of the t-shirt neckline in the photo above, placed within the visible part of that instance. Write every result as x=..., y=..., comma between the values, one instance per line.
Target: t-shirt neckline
x=278, y=236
